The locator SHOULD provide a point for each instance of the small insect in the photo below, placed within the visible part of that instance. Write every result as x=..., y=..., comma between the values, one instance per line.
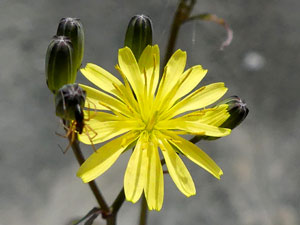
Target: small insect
x=69, y=102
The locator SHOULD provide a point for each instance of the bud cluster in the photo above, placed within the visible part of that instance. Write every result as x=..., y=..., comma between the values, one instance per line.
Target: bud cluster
x=64, y=54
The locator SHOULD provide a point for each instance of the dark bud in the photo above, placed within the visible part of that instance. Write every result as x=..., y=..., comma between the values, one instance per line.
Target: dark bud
x=238, y=112
x=73, y=29
x=59, y=65
x=138, y=34
x=69, y=103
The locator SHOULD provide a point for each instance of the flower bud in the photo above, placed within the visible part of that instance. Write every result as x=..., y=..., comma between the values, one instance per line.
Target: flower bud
x=138, y=34
x=238, y=111
x=69, y=102
x=59, y=66
x=73, y=29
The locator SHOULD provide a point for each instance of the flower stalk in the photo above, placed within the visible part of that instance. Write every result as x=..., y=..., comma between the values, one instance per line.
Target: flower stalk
x=94, y=188
x=143, y=212
x=182, y=13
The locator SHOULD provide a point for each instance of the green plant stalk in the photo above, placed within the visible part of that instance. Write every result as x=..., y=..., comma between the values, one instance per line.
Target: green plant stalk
x=80, y=158
x=118, y=202
x=182, y=14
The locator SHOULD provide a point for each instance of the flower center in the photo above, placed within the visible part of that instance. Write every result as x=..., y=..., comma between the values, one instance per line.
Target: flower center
x=151, y=122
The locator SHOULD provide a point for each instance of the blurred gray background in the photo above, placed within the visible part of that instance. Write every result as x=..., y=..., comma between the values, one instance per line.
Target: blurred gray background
x=260, y=160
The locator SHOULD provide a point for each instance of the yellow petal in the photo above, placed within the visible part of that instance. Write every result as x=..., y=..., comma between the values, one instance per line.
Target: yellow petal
x=104, y=101
x=212, y=116
x=175, y=67
x=98, y=132
x=104, y=157
x=130, y=69
x=193, y=127
x=136, y=171
x=103, y=79
x=193, y=77
x=195, y=154
x=200, y=98
x=176, y=168
x=149, y=62
x=154, y=188
x=97, y=116
x=172, y=73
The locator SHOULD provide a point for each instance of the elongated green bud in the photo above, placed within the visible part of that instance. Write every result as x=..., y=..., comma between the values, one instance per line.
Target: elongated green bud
x=69, y=102
x=59, y=65
x=138, y=34
x=73, y=29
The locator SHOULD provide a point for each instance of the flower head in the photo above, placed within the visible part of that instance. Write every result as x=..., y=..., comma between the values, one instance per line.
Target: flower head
x=150, y=115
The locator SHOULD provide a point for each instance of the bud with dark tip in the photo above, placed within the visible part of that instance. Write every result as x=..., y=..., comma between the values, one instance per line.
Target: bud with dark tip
x=237, y=110
x=69, y=103
x=59, y=64
x=73, y=29
x=138, y=34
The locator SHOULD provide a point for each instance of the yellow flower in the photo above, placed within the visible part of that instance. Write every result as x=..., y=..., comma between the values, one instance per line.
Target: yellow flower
x=151, y=115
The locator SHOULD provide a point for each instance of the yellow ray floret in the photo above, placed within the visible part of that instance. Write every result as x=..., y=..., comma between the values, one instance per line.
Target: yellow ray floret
x=150, y=114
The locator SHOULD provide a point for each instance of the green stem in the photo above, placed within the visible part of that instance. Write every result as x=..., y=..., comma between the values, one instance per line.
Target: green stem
x=181, y=15
x=143, y=212
x=111, y=220
x=118, y=202
x=80, y=158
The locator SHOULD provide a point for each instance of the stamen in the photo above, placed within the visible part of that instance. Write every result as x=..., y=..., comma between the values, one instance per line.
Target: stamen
x=130, y=93
x=145, y=139
x=127, y=85
x=128, y=137
x=162, y=82
x=146, y=85
x=152, y=77
x=172, y=93
x=175, y=141
x=159, y=92
x=186, y=76
x=110, y=108
x=196, y=92
x=200, y=133
x=88, y=102
x=151, y=123
x=127, y=103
